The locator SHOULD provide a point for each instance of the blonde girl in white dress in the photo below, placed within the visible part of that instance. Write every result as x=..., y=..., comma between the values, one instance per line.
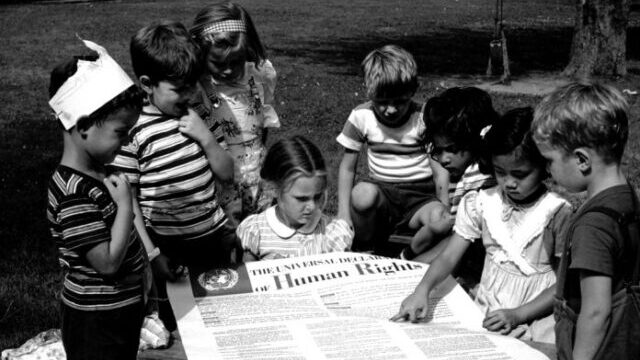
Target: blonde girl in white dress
x=519, y=222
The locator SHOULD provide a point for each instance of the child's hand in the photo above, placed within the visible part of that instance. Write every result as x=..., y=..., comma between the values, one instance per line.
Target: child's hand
x=119, y=189
x=194, y=127
x=414, y=308
x=162, y=269
x=503, y=320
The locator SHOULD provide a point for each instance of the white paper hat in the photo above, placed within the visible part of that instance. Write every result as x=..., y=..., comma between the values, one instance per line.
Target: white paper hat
x=94, y=84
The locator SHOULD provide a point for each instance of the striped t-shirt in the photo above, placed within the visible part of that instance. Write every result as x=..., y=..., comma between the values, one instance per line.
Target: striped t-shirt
x=176, y=188
x=265, y=237
x=394, y=154
x=471, y=180
x=80, y=214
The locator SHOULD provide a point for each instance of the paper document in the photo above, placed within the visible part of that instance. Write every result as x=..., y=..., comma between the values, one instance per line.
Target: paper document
x=330, y=306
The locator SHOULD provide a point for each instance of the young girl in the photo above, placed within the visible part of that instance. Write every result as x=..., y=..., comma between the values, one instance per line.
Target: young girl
x=239, y=86
x=295, y=226
x=454, y=120
x=519, y=222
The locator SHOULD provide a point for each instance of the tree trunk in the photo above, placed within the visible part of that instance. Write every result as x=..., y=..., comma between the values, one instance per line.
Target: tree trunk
x=599, y=39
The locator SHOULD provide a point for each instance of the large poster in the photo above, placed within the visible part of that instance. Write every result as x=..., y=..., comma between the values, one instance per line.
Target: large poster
x=330, y=306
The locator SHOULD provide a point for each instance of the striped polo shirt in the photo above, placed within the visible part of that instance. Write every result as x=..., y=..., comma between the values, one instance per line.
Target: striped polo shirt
x=471, y=180
x=266, y=237
x=394, y=154
x=80, y=214
x=176, y=188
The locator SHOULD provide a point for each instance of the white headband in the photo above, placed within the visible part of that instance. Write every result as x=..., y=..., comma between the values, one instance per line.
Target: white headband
x=225, y=26
x=94, y=84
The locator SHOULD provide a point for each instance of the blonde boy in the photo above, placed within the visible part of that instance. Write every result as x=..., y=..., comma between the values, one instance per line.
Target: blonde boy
x=582, y=129
x=399, y=194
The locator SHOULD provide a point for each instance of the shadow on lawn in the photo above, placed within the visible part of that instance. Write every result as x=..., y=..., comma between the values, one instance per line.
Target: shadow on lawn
x=451, y=51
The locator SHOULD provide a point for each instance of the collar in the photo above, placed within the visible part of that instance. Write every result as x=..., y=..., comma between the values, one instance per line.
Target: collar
x=283, y=230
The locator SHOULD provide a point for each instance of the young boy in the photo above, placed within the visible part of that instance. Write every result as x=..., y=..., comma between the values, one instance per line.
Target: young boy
x=582, y=129
x=399, y=194
x=90, y=213
x=173, y=161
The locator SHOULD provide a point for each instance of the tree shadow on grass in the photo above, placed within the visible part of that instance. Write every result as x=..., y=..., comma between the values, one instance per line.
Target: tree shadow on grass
x=449, y=51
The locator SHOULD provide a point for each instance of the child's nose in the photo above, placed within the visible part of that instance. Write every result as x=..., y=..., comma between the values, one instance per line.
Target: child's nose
x=510, y=183
x=445, y=158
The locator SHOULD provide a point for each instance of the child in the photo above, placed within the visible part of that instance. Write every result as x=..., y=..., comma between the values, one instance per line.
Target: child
x=399, y=194
x=518, y=221
x=173, y=160
x=455, y=119
x=90, y=213
x=582, y=129
x=239, y=83
x=295, y=226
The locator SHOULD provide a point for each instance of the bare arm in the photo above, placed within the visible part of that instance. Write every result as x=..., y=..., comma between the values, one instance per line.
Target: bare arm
x=346, y=176
x=107, y=256
x=505, y=320
x=160, y=263
x=441, y=182
x=594, y=314
x=220, y=161
x=415, y=306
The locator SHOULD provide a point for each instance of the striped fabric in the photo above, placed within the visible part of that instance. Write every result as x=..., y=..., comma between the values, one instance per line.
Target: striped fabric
x=266, y=237
x=393, y=154
x=80, y=214
x=176, y=188
x=472, y=179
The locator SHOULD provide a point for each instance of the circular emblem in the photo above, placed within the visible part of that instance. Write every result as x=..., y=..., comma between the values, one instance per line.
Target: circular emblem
x=218, y=279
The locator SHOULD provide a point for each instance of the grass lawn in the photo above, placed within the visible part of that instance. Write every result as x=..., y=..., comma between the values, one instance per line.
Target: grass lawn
x=316, y=46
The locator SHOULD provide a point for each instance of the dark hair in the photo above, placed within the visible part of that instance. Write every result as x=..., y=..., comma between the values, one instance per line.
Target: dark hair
x=459, y=114
x=233, y=41
x=511, y=134
x=289, y=158
x=166, y=51
x=131, y=98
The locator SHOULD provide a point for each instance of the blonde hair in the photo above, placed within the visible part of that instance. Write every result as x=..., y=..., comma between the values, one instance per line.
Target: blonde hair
x=584, y=114
x=390, y=71
x=288, y=159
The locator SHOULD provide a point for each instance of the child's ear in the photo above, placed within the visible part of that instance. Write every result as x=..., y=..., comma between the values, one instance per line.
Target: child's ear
x=146, y=84
x=583, y=160
x=82, y=131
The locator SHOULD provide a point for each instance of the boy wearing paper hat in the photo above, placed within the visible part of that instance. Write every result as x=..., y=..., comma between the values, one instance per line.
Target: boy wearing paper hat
x=90, y=212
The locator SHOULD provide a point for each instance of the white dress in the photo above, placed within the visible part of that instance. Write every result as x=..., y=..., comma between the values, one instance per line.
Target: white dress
x=243, y=109
x=521, y=241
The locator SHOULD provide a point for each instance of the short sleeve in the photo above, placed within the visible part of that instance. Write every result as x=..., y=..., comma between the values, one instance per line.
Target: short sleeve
x=556, y=232
x=82, y=224
x=594, y=245
x=127, y=162
x=352, y=136
x=249, y=234
x=338, y=236
x=468, y=222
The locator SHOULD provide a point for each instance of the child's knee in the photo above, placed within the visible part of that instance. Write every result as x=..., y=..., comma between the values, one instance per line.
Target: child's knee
x=364, y=196
x=440, y=220
x=434, y=215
